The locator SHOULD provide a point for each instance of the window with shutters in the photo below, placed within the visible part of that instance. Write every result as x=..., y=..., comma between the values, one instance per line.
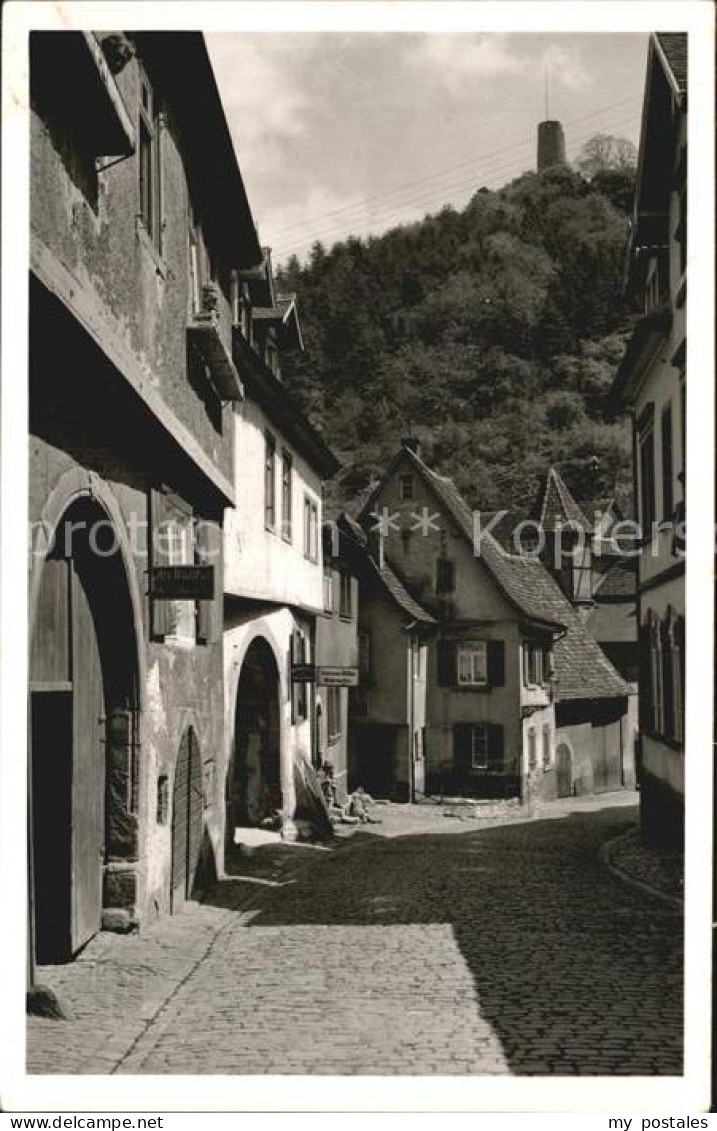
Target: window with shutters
x=172, y=543
x=479, y=747
x=445, y=576
x=472, y=664
x=656, y=675
x=299, y=693
x=668, y=502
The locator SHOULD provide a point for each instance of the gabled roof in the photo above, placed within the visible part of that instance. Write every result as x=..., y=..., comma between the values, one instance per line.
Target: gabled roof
x=582, y=670
x=618, y=582
x=614, y=624
x=516, y=577
x=555, y=506
x=391, y=583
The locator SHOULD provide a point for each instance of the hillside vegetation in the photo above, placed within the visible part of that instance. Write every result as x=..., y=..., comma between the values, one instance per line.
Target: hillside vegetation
x=492, y=333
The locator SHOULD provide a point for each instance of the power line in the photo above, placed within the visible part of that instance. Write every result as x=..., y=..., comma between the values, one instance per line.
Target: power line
x=386, y=214
x=361, y=202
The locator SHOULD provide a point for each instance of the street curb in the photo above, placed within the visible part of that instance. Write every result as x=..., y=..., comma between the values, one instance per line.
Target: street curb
x=607, y=851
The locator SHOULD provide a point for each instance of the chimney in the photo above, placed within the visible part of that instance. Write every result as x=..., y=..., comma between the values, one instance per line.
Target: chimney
x=413, y=444
x=551, y=145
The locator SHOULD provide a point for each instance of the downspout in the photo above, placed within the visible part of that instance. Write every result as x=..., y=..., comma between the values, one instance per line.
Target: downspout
x=411, y=723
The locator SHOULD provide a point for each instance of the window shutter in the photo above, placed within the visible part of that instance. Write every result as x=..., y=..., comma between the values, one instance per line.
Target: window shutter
x=446, y=663
x=495, y=745
x=496, y=663
x=668, y=690
x=462, y=735
x=209, y=552
x=161, y=612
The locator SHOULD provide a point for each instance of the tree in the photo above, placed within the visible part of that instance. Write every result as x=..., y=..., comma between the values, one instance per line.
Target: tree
x=605, y=151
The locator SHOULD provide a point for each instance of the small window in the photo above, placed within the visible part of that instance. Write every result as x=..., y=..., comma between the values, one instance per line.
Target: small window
x=472, y=664
x=406, y=486
x=286, y=496
x=479, y=747
x=162, y=799
x=270, y=482
x=445, y=576
x=534, y=664
x=546, y=747
x=149, y=164
x=532, y=749
x=311, y=530
x=299, y=696
x=333, y=714
x=345, y=609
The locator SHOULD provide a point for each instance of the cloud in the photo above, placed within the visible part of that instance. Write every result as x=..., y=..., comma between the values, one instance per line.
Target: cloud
x=294, y=227
x=263, y=98
x=453, y=60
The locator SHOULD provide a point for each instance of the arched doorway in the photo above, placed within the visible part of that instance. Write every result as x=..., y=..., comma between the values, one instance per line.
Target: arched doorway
x=187, y=818
x=564, y=770
x=83, y=719
x=254, y=792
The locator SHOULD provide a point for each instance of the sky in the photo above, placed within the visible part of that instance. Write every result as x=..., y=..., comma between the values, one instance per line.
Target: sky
x=341, y=134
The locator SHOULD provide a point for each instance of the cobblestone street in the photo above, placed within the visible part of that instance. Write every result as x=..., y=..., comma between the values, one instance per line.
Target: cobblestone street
x=508, y=949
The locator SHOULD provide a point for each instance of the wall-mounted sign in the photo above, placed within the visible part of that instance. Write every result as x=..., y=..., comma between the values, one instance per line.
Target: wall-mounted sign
x=337, y=677
x=182, y=583
x=303, y=673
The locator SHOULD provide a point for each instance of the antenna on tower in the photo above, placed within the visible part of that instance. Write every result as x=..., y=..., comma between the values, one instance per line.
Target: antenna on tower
x=547, y=100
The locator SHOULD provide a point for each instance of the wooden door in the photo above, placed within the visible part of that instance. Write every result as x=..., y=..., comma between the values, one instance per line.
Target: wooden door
x=607, y=768
x=88, y=784
x=187, y=819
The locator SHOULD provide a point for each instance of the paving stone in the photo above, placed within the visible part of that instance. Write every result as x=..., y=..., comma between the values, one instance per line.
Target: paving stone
x=450, y=949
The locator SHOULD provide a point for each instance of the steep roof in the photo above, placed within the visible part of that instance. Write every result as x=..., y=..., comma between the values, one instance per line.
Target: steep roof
x=555, y=506
x=389, y=580
x=582, y=670
x=618, y=582
x=614, y=623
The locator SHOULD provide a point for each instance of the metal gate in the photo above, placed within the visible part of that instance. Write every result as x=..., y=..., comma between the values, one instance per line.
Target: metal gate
x=187, y=817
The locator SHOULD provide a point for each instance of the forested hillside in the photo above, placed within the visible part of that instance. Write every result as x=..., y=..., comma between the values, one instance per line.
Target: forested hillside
x=492, y=333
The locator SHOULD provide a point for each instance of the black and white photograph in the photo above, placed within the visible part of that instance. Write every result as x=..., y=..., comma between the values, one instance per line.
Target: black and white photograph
x=348, y=421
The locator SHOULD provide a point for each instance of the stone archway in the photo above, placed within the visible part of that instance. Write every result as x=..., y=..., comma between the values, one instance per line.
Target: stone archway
x=84, y=702
x=254, y=789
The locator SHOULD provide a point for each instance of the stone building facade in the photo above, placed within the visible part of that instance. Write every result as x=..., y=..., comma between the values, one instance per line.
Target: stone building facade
x=131, y=466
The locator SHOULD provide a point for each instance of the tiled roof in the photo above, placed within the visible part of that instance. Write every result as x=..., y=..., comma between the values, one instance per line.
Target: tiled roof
x=400, y=595
x=618, y=581
x=582, y=670
x=615, y=623
x=555, y=506
x=674, y=48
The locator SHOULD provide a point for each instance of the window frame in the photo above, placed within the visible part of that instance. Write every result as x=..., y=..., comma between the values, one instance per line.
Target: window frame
x=485, y=763
x=535, y=664
x=405, y=487
x=532, y=749
x=149, y=130
x=287, y=492
x=472, y=648
x=329, y=608
x=311, y=529
x=334, y=721
x=270, y=482
x=646, y=470
x=547, y=759
x=445, y=575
